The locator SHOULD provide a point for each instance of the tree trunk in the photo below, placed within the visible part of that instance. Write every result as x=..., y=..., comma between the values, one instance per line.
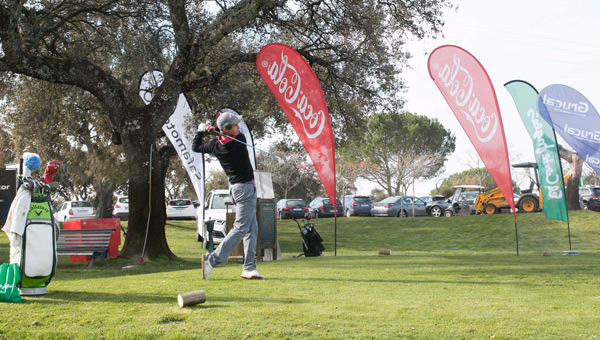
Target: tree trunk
x=104, y=193
x=572, y=184
x=145, y=203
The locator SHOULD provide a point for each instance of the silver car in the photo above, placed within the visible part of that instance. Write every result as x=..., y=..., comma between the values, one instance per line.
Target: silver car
x=399, y=206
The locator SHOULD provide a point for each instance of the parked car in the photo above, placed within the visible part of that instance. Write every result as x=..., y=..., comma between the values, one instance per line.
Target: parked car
x=75, y=210
x=437, y=208
x=291, y=207
x=215, y=208
x=121, y=208
x=181, y=208
x=588, y=193
x=391, y=207
x=592, y=204
x=322, y=207
x=357, y=205
x=428, y=199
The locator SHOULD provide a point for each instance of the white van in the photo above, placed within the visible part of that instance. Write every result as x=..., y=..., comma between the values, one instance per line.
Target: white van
x=214, y=209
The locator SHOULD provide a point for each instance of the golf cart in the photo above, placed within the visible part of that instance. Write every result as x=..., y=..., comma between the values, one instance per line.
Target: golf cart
x=463, y=200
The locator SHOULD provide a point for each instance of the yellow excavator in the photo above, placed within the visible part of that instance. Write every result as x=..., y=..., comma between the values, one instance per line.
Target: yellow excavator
x=492, y=202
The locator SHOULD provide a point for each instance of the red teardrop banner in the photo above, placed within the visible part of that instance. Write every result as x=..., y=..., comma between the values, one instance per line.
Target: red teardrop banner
x=469, y=92
x=299, y=94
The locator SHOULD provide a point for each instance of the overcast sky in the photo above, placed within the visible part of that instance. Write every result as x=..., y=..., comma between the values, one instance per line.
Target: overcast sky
x=541, y=42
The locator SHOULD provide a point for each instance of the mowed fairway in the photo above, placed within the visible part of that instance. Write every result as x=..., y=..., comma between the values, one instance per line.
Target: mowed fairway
x=447, y=278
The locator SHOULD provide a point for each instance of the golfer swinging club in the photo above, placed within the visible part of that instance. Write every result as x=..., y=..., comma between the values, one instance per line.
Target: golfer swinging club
x=235, y=161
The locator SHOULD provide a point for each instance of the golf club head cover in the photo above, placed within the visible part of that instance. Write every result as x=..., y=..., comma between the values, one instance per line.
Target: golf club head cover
x=31, y=162
x=51, y=169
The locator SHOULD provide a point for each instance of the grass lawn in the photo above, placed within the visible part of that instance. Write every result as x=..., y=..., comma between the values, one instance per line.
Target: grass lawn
x=447, y=278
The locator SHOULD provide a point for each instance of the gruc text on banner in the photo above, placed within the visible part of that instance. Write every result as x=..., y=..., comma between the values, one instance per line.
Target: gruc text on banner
x=574, y=118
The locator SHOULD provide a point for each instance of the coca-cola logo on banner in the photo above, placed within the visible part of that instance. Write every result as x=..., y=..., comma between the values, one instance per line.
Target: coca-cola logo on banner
x=288, y=82
x=298, y=92
x=459, y=84
x=468, y=90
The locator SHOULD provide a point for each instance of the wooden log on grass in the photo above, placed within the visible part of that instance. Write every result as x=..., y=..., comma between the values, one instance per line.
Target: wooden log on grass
x=191, y=298
x=385, y=251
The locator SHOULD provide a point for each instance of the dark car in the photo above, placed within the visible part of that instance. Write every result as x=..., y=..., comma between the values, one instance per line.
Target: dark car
x=399, y=206
x=436, y=208
x=322, y=207
x=357, y=205
x=592, y=204
x=590, y=197
x=288, y=208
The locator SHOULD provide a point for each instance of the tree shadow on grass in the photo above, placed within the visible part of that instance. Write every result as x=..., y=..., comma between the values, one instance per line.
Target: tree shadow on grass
x=403, y=281
x=79, y=272
x=70, y=297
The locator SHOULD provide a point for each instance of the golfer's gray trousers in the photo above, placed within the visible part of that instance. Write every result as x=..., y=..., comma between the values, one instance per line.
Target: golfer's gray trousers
x=245, y=226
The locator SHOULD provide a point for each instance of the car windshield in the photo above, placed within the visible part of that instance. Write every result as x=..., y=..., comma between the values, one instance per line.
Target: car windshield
x=392, y=199
x=362, y=199
x=471, y=196
x=124, y=200
x=219, y=201
x=296, y=203
x=327, y=201
x=81, y=205
x=180, y=203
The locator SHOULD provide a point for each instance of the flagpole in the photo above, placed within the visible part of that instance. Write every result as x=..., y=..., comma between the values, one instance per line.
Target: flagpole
x=517, y=236
x=562, y=180
x=569, y=230
x=335, y=234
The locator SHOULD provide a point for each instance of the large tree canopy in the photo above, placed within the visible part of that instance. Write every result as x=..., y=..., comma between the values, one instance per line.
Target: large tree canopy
x=207, y=49
x=402, y=148
x=67, y=123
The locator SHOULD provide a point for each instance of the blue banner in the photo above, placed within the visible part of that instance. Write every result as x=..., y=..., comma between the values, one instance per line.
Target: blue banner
x=574, y=118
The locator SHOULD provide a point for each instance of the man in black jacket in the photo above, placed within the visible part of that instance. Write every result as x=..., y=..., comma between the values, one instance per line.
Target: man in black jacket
x=235, y=161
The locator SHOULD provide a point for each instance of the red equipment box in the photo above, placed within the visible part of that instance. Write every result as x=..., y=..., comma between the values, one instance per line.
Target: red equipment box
x=106, y=223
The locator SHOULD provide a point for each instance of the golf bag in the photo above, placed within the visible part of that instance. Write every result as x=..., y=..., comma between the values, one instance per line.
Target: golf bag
x=311, y=240
x=38, y=249
x=32, y=232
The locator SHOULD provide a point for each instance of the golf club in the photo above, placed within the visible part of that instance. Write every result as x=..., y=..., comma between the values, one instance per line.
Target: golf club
x=279, y=159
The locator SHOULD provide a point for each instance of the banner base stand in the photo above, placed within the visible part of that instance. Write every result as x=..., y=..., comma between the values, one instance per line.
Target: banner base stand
x=570, y=252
